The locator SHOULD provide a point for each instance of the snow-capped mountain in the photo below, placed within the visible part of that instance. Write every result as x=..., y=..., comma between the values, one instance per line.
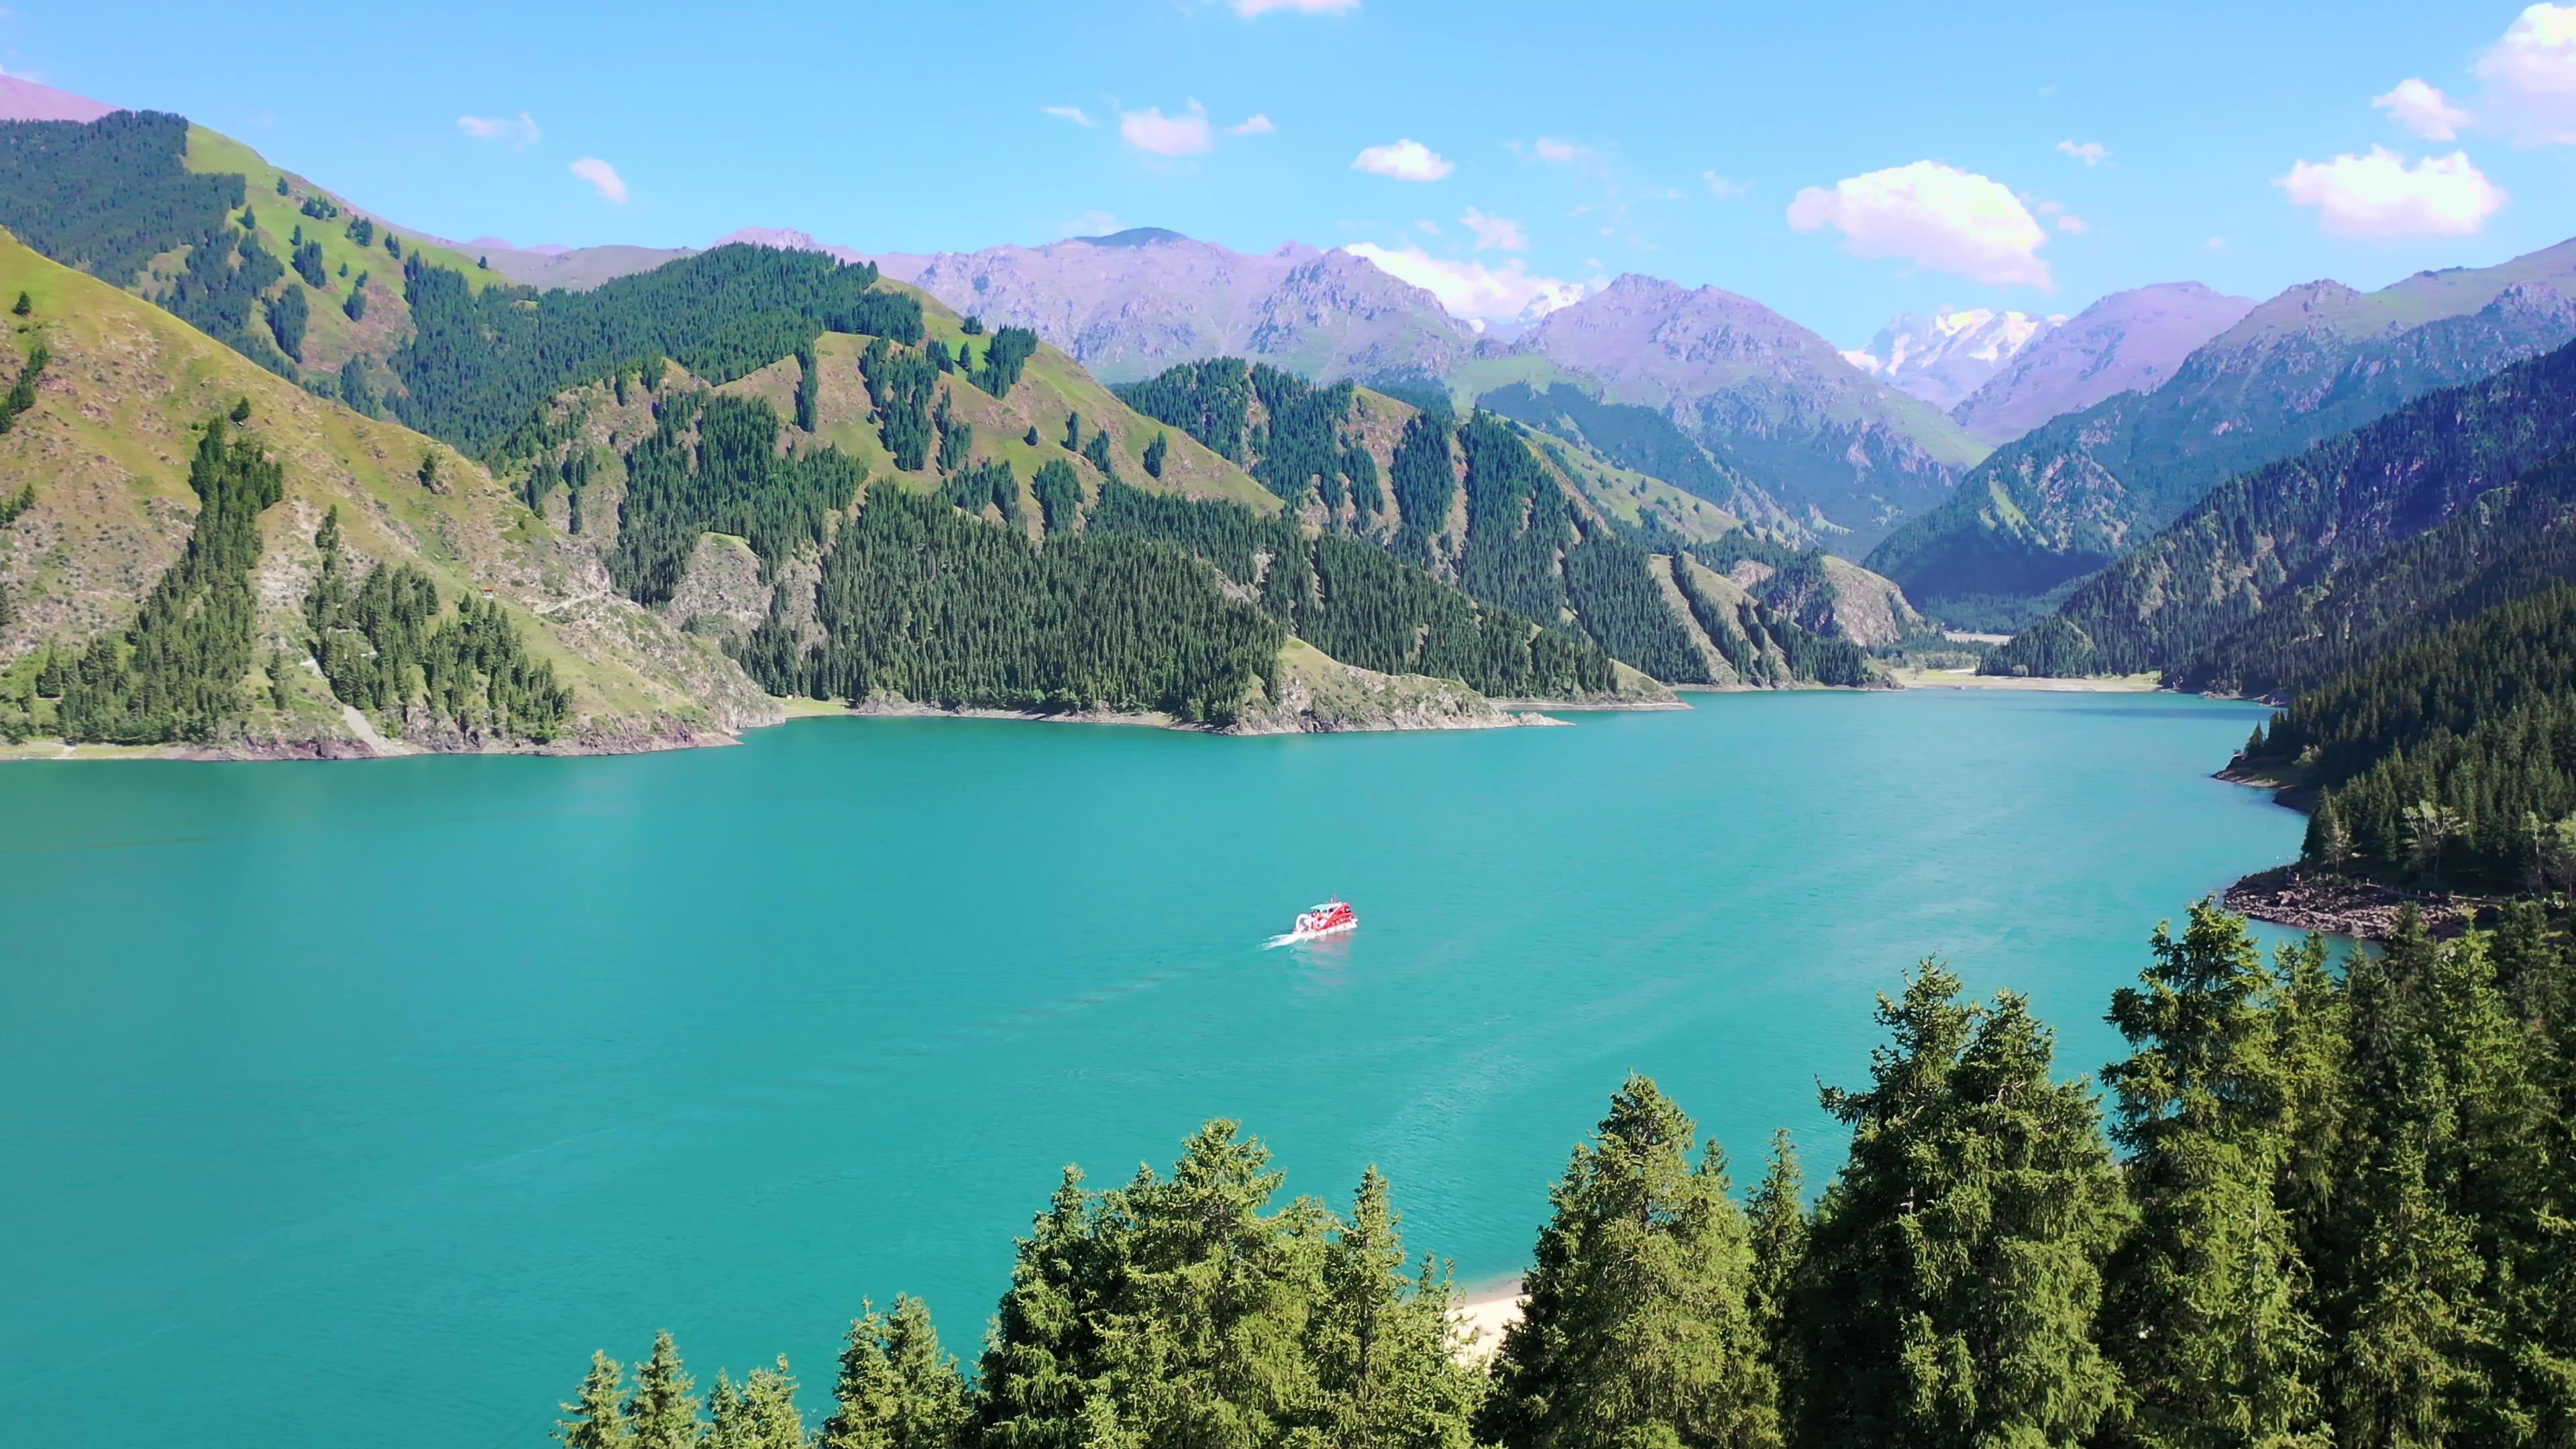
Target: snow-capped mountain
x=1949, y=355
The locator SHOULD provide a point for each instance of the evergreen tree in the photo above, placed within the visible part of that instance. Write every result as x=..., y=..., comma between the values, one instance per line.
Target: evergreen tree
x=809, y=389
x=22, y=306
x=1073, y=432
x=1155, y=452
x=1637, y=1330
x=897, y=1389
x=1954, y=1268
x=2214, y=1345
x=596, y=1419
x=1380, y=1339
x=664, y=1408
x=1776, y=1217
x=760, y=1413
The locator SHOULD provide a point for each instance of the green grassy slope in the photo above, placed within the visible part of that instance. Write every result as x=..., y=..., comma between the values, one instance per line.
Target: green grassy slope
x=106, y=447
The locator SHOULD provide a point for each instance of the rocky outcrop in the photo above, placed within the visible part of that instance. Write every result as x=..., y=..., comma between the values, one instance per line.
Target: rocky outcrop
x=1321, y=695
x=722, y=594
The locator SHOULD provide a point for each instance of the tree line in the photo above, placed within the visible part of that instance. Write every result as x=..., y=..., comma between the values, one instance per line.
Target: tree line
x=383, y=647
x=1360, y=605
x=713, y=464
x=176, y=672
x=480, y=363
x=2318, y=1207
x=919, y=602
x=2452, y=760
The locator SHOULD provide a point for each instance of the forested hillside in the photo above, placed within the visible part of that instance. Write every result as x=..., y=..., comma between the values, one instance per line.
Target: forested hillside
x=2314, y=362
x=967, y=520
x=2293, y=525
x=195, y=553
x=2511, y=543
x=269, y=265
x=2452, y=760
x=1519, y=521
x=2320, y=1205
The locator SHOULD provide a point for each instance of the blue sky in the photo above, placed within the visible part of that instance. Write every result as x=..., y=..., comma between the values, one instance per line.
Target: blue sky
x=1839, y=162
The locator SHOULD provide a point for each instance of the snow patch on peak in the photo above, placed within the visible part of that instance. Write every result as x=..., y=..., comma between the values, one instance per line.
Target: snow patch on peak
x=1949, y=355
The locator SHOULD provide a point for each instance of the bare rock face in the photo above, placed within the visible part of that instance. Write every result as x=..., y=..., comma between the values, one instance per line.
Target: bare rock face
x=721, y=594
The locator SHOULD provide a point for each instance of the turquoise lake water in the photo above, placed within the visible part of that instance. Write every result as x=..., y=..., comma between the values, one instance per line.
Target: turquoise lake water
x=369, y=1099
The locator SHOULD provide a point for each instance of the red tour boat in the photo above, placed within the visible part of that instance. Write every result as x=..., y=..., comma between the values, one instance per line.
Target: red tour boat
x=1330, y=918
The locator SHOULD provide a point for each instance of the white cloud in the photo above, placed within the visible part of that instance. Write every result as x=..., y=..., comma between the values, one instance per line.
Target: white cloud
x=1427, y=227
x=1935, y=216
x=2530, y=78
x=1074, y=114
x=603, y=179
x=2422, y=109
x=2073, y=225
x=1495, y=233
x=1254, y=9
x=1471, y=289
x=1094, y=222
x=1406, y=160
x=1555, y=152
x=1256, y=125
x=1156, y=134
x=2091, y=153
x=519, y=131
x=2216, y=244
x=1724, y=189
x=2382, y=195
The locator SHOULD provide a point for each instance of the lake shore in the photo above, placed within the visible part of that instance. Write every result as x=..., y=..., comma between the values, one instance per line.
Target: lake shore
x=1970, y=679
x=1483, y=1314
x=2364, y=910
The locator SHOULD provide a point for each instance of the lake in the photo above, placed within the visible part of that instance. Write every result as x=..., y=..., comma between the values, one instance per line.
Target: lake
x=383, y=1093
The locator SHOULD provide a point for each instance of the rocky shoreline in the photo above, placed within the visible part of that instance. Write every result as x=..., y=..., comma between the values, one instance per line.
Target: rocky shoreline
x=2336, y=906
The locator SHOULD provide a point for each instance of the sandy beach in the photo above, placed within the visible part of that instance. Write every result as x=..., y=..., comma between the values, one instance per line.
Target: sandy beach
x=1484, y=1313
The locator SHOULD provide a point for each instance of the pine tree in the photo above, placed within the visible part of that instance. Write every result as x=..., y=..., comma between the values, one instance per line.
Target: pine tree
x=1777, y=1227
x=664, y=1408
x=1636, y=1328
x=24, y=305
x=1954, y=1268
x=2213, y=1343
x=1073, y=432
x=597, y=1420
x=1036, y=1371
x=1155, y=452
x=1381, y=1339
x=760, y=1413
x=897, y=1389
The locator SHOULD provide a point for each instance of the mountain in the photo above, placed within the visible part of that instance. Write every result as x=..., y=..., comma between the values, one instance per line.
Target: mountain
x=1767, y=398
x=2291, y=527
x=576, y=269
x=1944, y=358
x=1130, y=304
x=2127, y=342
x=2312, y=362
x=2509, y=543
x=24, y=100
x=99, y=468
x=1024, y=541
x=1517, y=518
